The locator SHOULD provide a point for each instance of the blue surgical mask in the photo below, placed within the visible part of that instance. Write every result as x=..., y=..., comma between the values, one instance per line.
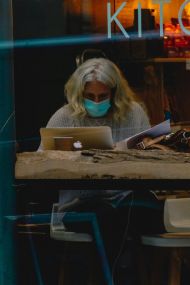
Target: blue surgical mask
x=97, y=109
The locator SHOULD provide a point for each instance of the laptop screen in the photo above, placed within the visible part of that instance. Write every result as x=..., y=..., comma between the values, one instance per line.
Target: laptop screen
x=81, y=137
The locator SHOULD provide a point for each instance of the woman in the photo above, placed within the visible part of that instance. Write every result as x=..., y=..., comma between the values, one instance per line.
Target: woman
x=98, y=95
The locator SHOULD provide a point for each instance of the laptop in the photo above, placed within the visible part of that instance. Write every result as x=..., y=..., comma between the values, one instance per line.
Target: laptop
x=89, y=137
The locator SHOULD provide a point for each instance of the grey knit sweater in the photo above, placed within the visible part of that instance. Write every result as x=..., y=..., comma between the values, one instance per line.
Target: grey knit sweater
x=136, y=121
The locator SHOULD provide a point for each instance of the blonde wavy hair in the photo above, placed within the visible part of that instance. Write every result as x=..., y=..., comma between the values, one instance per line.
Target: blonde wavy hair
x=108, y=73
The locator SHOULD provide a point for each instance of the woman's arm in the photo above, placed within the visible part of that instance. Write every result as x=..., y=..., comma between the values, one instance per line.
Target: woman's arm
x=61, y=118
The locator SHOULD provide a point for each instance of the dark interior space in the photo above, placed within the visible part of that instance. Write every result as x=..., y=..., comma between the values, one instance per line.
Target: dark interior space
x=40, y=74
x=48, y=37
x=41, y=71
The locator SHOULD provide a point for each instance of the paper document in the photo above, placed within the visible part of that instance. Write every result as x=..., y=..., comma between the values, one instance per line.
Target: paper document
x=158, y=130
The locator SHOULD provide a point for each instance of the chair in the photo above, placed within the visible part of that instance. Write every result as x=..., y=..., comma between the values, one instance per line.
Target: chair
x=172, y=245
x=58, y=231
x=31, y=226
x=88, y=54
x=177, y=215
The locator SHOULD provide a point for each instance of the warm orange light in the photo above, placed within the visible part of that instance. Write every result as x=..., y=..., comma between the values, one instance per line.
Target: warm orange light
x=187, y=9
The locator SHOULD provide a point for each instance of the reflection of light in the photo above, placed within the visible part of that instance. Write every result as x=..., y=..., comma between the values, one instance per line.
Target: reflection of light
x=187, y=9
x=68, y=40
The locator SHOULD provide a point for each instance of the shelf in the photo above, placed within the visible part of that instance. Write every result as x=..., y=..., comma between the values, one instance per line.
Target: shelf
x=170, y=59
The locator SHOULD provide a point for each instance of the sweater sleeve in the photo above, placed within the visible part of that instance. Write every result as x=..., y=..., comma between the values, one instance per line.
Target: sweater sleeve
x=144, y=120
x=61, y=118
x=138, y=119
x=137, y=122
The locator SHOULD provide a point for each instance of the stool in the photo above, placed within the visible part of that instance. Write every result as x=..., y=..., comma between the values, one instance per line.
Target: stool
x=174, y=246
x=59, y=232
x=177, y=215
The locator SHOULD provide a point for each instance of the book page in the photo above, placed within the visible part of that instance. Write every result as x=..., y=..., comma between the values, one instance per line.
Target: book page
x=158, y=130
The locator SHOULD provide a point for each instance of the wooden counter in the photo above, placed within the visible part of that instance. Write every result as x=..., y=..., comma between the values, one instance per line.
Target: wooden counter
x=96, y=164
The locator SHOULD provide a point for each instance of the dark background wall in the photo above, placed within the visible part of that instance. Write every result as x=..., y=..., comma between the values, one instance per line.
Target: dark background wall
x=40, y=72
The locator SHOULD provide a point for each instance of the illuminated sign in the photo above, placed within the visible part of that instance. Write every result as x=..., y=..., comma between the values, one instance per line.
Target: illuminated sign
x=113, y=18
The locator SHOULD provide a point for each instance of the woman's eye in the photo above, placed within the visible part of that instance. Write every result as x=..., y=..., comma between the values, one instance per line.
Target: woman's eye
x=89, y=97
x=92, y=97
x=104, y=96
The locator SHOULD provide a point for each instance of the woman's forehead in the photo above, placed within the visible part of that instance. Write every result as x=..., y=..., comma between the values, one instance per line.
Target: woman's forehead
x=96, y=85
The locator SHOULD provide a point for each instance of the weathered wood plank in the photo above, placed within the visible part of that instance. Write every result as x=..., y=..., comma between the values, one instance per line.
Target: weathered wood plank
x=95, y=164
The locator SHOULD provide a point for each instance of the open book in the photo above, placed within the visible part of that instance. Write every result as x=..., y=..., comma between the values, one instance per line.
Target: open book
x=158, y=130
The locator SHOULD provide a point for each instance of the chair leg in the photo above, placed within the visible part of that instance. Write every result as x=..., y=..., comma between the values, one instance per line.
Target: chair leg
x=142, y=266
x=175, y=267
x=151, y=265
x=68, y=270
x=64, y=273
x=61, y=280
x=157, y=272
x=36, y=261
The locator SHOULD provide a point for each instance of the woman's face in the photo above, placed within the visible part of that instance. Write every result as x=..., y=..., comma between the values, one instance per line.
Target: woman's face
x=97, y=98
x=97, y=91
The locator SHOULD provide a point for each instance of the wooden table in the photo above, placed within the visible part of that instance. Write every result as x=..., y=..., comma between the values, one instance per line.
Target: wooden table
x=97, y=164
